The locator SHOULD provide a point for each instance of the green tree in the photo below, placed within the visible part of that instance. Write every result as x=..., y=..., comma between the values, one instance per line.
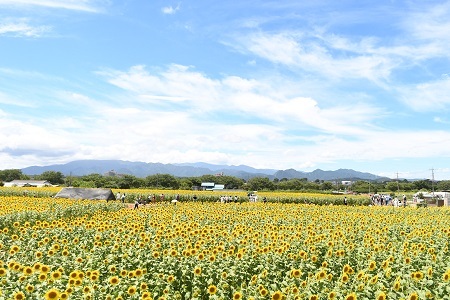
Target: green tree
x=52, y=177
x=130, y=182
x=97, y=179
x=166, y=181
x=326, y=186
x=443, y=185
x=230, y=182
x=423, y=184
x=260, y=183
x=294, y=184
x=11, y=174
x=186, y=184
x=392, y=186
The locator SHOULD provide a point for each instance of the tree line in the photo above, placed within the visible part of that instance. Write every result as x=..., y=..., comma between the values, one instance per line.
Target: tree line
x=167, y=181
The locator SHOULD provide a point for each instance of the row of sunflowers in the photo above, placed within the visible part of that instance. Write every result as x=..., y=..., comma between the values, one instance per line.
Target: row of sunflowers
x=202, y=196
x=98, y=250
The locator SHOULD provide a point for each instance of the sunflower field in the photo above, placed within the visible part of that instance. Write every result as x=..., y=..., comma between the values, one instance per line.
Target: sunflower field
x=67, y=249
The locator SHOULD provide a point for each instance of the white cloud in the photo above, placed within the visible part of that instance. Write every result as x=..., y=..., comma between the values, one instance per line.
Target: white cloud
x=329, y=56
x=236, y=95
x=23, y=29
x=431, y=23
x=170, y=10
x=80, y=5
x=428, y=96
x=9, y=100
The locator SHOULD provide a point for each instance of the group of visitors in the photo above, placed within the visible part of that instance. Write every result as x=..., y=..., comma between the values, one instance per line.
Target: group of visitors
x=382, y=199
x=228, y=199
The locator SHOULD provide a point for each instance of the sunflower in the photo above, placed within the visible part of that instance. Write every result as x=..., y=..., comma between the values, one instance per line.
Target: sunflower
x=114, y=280
x=381, y=296
x=418, y=275
x=146, y=295
x=170, y=278
x=2, y=272
x=138, y=272
x=351, y=296
x=52, y=294
x=372, y=265
x=263, y=292
x=94, y=277
x=29, y=288
x=332, y=295
x=277, y=295
x=56, y=275
x=237, y=296
x=321, y=275
x=345, y=278
x=131, y=290
x=212, y=289
x=42, y=277
x=313, y=297
x=27, y=270
x=19, y=296
x=73, y=275
x=397, y=285
x=143, y=286
x=112, y=269
x=296, y=273
x=197, y=271
x=413, y=296
x=45, y=269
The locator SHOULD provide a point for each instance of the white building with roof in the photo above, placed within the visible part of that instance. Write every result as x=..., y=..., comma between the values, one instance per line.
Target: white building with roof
x=27, y=183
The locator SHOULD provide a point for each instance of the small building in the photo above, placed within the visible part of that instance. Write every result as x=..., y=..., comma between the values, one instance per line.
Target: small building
x=218, y=187
x=207, y=186
x=27, y=183
x=211, y=186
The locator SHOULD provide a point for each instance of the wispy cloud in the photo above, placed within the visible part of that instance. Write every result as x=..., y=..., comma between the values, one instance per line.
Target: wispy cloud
x=92, y=6
x=328, y=56
x=255, y=98
x=21, y=28
x=170, y=10
x=427, y=96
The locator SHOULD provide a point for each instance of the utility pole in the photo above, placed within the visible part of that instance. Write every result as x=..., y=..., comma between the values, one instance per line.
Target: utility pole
x=398, y=186
x=432, y=181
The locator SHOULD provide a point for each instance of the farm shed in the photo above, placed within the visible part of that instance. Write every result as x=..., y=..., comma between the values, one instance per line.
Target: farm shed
x=28, y=183
x=86, y=193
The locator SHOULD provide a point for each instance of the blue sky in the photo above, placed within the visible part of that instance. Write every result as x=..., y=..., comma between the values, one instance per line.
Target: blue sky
x=270, y=84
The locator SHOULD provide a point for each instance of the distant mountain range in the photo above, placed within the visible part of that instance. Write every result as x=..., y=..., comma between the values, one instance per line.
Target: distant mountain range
x=142, y=169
